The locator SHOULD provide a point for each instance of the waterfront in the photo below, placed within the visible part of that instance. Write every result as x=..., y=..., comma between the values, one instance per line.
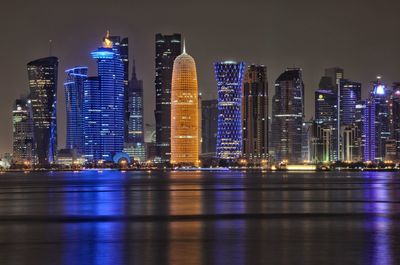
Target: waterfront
x=114, y=217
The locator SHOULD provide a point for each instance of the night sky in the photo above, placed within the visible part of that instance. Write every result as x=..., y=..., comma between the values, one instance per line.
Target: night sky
x=362, y=36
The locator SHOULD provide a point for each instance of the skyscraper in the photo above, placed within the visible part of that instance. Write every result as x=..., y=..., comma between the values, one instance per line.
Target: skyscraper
x=42, y=74
x=350, y=95
x=23, y=142
x=184, y=112
x=288, y=116
x=74, y=94
x=368, y=130
x=134, y=143
x=209, y=125
x=326, y=116
x=168, y=47
x=229, y=77
x=105, y=94
x=331, y=79
x=255, y=114
x=395, y=117
x=380, y=96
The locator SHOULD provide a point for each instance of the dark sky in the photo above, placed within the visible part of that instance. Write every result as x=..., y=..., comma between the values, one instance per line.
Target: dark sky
x=362, y=36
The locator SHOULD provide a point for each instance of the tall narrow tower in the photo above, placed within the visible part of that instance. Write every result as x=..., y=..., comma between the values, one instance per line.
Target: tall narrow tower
x=184, y=112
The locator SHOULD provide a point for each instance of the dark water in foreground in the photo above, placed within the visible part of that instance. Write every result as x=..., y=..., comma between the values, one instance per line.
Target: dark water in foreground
x=199, y=218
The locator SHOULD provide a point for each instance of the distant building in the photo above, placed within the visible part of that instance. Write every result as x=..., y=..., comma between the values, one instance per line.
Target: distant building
x=288, y=116
x=184, y=112
x=229, y=77
x=168, y=47
x=209, y=125
x=23, y=141
x=331, y=79
x=380, y=96
x=367, y=109
x=104, y=106
x=321, y=143
x=351, y=143
x=255, y=114
x=395, y=117
x=350, y=95
x=42, y=74
x=74, y=96
x=326, y=111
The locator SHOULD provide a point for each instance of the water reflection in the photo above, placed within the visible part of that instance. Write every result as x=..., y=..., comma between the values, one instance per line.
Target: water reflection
x=199, y=218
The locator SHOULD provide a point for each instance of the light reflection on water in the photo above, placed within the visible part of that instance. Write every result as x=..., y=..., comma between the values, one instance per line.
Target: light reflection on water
x=199, y=218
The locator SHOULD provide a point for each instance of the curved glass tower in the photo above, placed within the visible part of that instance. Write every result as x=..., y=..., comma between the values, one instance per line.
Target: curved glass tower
x=184, y=112
x=104, y=105
x=74, y=107
x=42, y=74
x=229, y=77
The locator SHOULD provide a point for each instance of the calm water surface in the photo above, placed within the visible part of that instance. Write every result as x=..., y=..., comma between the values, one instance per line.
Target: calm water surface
x=189, y=218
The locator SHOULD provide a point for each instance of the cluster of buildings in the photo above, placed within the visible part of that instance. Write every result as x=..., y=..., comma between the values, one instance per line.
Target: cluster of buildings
x=105, y=114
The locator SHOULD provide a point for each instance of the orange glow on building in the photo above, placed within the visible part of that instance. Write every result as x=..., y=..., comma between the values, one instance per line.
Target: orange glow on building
x=184, y=112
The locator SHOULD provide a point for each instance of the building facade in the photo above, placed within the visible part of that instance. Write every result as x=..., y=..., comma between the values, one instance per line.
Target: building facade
x=23, y=141
x=255, y=114
x=105, y=94
x=168, y=47
x=395, y=117
x=229, y=77
x=209, y=126
x=74, y=94
x=288, y=116
x=42, y=75
x=184, y=112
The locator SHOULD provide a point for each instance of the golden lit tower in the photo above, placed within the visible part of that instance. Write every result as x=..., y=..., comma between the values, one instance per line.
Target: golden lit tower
x=184, y=112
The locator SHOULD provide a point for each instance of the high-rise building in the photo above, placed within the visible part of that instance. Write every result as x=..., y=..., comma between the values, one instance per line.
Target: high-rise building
x=74, y=94
x=255, y=114
x=104, y=105
x=209, y=126
x=229, y=77
x=121, y=47
x=134, y=143
x=350, y=95
x=367, y=109
x=395, y=117
x=168, y=47
x=42, y=74
x=331, y=79
x=288, y=116
x=23, y=141
x=380, y=96
x=184, y=112
x=350, y=143
x=326, y=116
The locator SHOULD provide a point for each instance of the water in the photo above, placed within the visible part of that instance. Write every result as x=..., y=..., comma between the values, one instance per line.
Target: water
x=188, y=218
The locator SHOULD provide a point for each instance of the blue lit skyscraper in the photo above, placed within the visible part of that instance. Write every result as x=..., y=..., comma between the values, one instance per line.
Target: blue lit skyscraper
x=42, y=75
x=74, y=106
x=288, y=116
x=368, y=130
x=350, y=95
x=229, y=77
x=104, y=123
x=395, y=117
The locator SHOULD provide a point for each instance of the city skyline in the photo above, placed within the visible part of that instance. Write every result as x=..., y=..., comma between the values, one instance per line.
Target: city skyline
x=315, y=51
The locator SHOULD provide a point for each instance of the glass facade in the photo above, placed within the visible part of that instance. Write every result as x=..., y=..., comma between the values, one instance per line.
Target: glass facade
x=368, y=130
x=74, y=94
x=104, y=106
x=350, y=95
x=23, y=141
x=209, y=125
x=42, y=75
x=168, y=47
x=288, y=116
x=229, y=77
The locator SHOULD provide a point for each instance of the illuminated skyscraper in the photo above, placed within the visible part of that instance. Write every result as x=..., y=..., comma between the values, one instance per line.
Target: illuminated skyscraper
x=104, y=105
x=395, y=117
x=350, y=94
x=74, y=94
x=23, y=142
x=168, y=47
x=255, y=114
x=367, y=109
x=184, y=112
x=229, y=77
x=288, y=116
x=380, y=96
x=42, y=75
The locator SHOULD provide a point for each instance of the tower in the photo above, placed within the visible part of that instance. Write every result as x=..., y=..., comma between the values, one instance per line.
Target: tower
x=184, y=112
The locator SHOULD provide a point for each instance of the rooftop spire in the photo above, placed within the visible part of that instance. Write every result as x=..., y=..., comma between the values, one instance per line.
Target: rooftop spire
x=184, y=46
x=107, y=43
